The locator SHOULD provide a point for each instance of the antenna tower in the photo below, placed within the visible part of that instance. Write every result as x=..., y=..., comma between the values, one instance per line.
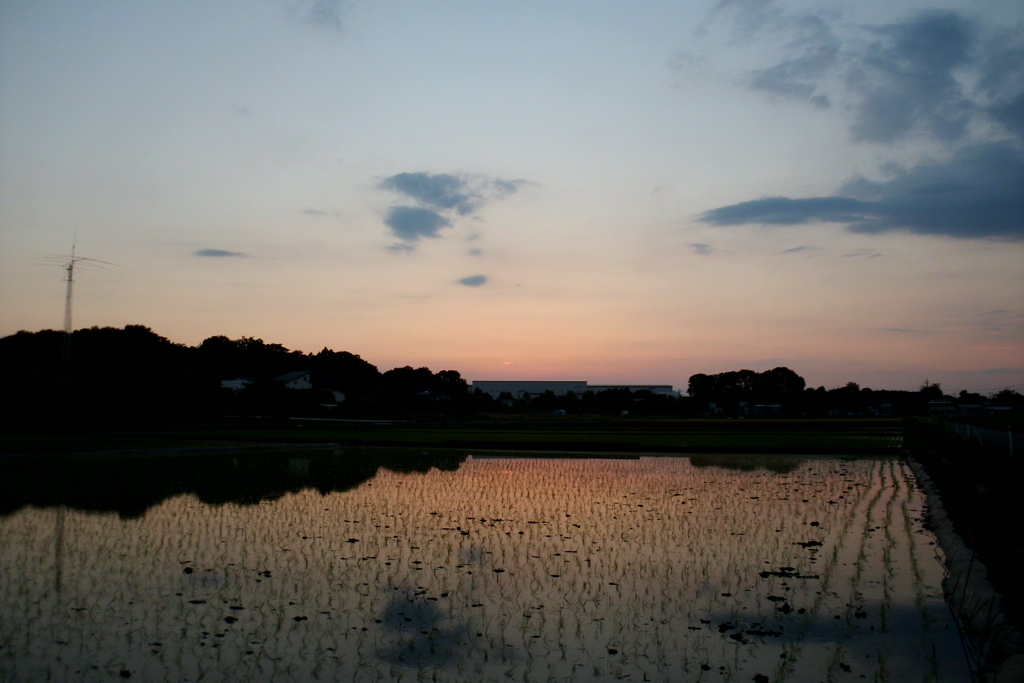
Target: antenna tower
x=69, y=266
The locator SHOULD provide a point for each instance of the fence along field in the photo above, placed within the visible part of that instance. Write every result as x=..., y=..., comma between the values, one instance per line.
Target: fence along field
x=507, y=569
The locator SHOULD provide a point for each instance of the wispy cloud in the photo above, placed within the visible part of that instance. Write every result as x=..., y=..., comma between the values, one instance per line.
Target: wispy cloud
x=502, y=188
x=325, y=13
x=314, y=212
x=218, y=253
x=474, y=280
x=930, y=75
x=861, y=253
x=813, y=51
x=701, y=249
x=794, y=250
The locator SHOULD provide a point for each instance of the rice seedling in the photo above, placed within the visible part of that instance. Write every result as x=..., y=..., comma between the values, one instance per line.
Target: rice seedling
x=505, y=569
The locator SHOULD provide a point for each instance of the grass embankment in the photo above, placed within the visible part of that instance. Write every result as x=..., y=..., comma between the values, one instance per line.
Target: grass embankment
x=980, y=489
x=612, y=435
x=668, y=436
x=86, y=442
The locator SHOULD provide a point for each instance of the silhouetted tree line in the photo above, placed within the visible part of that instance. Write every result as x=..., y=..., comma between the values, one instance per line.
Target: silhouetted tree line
x=730, y=391
x=132, y=374
x=136, y=376
x=781, y=391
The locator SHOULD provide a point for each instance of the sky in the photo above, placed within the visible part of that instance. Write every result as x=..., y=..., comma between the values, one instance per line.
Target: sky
x=606, y=191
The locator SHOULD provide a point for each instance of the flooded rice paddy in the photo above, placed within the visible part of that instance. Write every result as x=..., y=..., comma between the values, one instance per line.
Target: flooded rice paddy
x=505, y=569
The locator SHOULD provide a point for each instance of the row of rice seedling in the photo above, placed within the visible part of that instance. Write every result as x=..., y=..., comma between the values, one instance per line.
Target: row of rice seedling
x=521, y=569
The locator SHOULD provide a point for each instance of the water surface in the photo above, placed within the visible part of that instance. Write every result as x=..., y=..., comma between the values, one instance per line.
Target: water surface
x=647, y=569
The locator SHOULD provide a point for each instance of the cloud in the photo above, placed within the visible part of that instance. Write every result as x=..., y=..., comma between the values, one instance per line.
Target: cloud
x=907, y=77
x=475, y=252
x=977, y=193
x=314, y=212
x=750, y=16
x=473, y=280
x=701, y=249
x=440, y=191
x=814, y=51
x=786, y=211
x=861, y=253
x=937, y=75
x=1002, y=83
x=930, y=75
x=794, y=250
x=897, y=329
x=217, y=253
x=1010, y=114
x=444, y=191
x=410, y=223
x=503, y=188
x=439, y=198
x=325, y=13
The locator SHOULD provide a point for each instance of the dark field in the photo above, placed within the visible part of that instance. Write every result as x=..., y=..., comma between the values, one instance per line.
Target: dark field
x=978, y=483
x=655, y=436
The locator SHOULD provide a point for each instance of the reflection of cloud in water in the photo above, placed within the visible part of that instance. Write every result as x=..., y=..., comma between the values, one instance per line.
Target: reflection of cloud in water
x=421, y=632
x=747, y=463
x=471, y=555
x=203, y=578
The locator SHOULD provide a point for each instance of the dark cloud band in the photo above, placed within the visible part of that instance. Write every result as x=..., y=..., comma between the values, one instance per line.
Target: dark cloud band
x=978, y=193
x=218, y=253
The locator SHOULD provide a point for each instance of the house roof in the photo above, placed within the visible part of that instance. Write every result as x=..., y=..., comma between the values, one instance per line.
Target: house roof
x=289, y=376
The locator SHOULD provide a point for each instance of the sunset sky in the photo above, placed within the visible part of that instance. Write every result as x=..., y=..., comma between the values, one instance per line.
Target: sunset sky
x=603, y=191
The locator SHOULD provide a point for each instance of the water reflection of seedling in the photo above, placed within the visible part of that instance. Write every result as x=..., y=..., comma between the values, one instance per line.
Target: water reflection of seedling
x=835, y=662
x=882, y=673
x=671, y=569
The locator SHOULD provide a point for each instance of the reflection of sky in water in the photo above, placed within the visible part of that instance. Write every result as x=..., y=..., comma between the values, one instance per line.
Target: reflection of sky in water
x=506, y=569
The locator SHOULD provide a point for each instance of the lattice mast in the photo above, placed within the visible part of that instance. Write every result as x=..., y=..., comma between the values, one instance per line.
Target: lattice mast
x=70, y=266
x=68, y=301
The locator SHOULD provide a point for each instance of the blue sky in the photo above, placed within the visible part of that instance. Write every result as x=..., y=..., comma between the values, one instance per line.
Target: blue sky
x=601, y=191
